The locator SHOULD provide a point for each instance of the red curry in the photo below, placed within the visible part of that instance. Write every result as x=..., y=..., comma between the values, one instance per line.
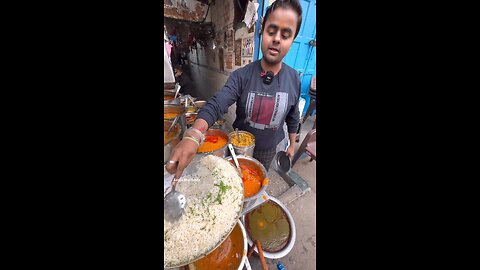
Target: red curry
x=212, y=143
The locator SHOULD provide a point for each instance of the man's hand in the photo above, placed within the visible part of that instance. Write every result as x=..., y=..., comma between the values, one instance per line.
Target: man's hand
x=186, y=150
x=291, y=147
x=183, y=153
x=290, y=151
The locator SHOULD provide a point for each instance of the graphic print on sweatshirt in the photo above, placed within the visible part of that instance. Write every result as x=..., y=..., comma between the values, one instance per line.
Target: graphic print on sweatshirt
x=266, y=111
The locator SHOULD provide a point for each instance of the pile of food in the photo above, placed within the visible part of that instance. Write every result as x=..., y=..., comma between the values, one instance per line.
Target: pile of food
x=243, y=139
x=214, y=202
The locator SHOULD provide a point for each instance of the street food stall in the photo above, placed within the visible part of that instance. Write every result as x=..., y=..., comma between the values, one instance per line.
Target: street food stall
x=227, y=214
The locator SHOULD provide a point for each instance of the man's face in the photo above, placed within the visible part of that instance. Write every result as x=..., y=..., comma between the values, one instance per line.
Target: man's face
x=278, y=35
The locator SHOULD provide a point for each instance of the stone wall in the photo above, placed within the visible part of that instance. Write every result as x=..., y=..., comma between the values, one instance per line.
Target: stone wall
x=224, y=52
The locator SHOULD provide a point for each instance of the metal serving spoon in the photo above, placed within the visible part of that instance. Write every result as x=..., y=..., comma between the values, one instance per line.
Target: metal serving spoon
x=173, y=125
x=230, y=147
x=177, y=86
x=174, y=204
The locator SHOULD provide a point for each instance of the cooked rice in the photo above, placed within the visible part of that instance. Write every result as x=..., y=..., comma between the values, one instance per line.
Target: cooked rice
x=208, y=217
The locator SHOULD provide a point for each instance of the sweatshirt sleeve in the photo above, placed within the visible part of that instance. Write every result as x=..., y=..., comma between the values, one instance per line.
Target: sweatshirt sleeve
x=218, y=105
x=293, y=116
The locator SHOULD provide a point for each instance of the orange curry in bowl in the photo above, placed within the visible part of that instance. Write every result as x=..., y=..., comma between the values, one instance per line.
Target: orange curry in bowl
x=212, y=143
x=168, y=97
x=227, y=256
x=252, y=180
x=169, y=116
x=252, y=177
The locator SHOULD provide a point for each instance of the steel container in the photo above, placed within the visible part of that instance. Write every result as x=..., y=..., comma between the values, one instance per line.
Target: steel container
x=245, y=247
x=251, y=162
x=191, y=168
x=242, y=150
x=293, y=234
x=222, y=152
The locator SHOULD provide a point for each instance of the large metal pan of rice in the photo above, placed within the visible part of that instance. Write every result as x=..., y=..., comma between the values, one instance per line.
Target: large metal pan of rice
x=214, y=191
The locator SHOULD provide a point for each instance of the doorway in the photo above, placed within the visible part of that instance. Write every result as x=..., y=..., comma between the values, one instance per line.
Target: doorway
x=220, y=59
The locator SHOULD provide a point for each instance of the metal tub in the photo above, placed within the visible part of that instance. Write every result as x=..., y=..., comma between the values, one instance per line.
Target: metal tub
x=242, y=150
x=245, y=248
x=222, y=152
x=291, y=241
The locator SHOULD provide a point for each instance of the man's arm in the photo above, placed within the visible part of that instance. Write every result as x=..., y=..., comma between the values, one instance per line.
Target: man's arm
x=216, y=107
x=291, y=147
x=292, y=120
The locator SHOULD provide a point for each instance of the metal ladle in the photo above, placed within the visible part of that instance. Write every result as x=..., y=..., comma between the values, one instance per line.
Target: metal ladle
x=174, y=204
x=173, y=125
x=178, y=90
x=230, y=147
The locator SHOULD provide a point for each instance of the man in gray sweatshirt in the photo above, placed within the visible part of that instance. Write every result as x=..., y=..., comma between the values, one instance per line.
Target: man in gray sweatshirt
x=265, y=101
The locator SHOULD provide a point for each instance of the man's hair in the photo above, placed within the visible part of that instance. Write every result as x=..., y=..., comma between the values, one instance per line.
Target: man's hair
x=293, y=4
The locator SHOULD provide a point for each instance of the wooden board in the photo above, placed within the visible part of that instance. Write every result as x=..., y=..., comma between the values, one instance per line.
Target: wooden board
x=238, y=52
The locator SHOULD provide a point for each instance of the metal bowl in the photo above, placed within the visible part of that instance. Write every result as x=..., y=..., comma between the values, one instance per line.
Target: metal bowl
x=192, y=109
x=220, y=124
x=174, y=108
x=251, y=162
x=168, y=98
x=222, y=152
x=293, y=235
x=191, y=117
x=199, y=104
x=243, y=150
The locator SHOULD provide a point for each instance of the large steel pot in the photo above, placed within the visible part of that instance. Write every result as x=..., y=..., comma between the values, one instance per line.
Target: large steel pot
x=291, y=241
x=222, y=152
x=191, y=169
